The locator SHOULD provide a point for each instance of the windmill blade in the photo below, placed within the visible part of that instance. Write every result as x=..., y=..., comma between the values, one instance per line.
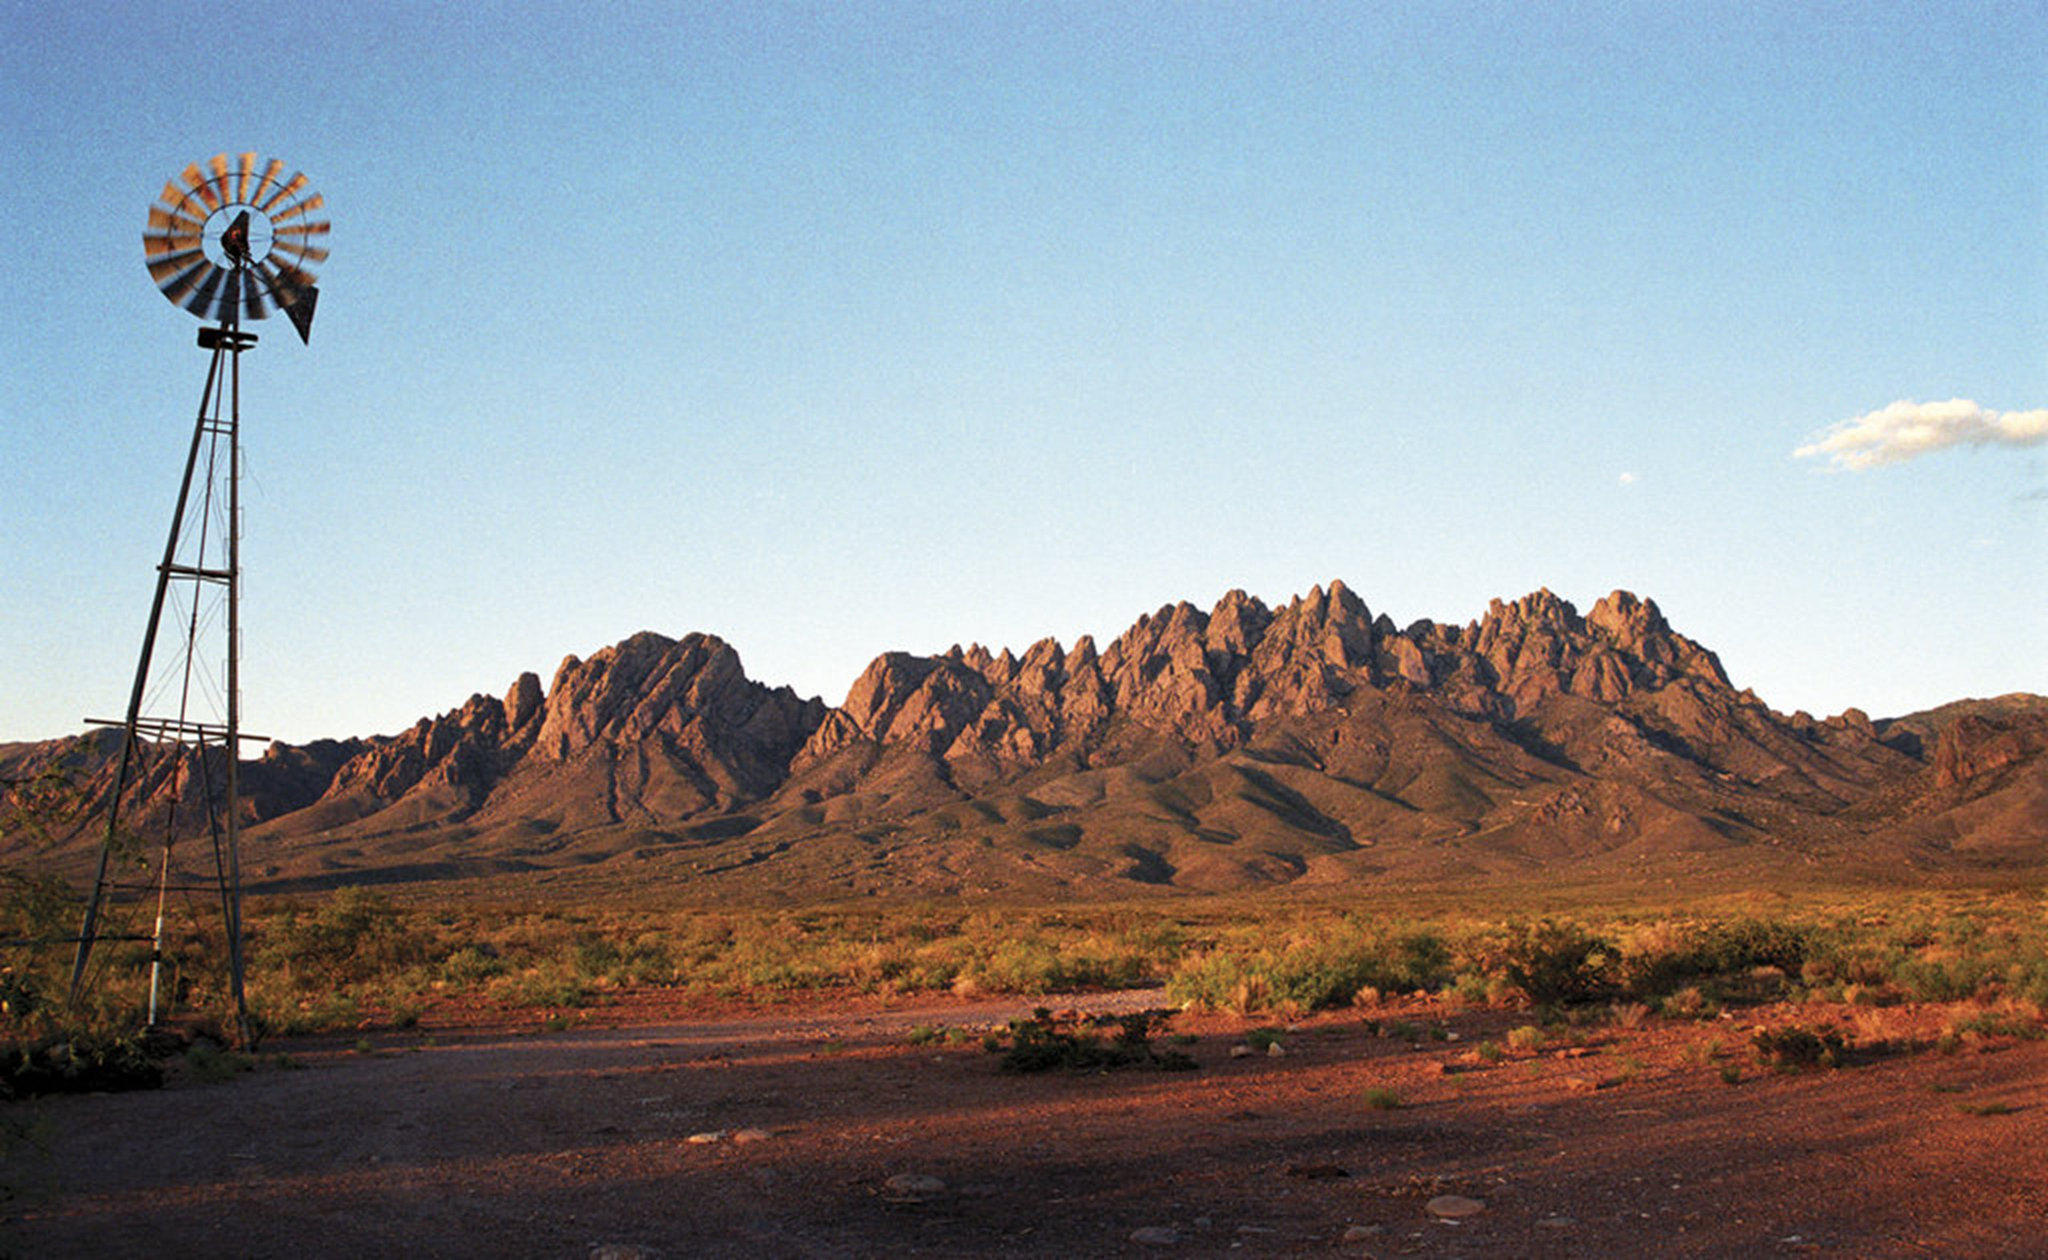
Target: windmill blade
x=281, y=282
x=311, y=254
x=206, y=186
x=178, y=288
x=169, y=265
x=286, y=189
x=195, y=186
x=181, y=284
x=298, y=208
x=173, y=220
x=157, y=244
x=252, y=298
x=265, y=183
x=284, y=277
x=302, y=229
x=264, y=276
x=243, y=167
x=201, y=301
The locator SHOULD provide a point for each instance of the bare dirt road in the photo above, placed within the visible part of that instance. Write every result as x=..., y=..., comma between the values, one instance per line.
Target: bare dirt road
x=853, y=1127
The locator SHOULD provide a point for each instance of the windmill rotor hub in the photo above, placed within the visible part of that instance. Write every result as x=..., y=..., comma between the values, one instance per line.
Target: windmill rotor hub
x=237, y=236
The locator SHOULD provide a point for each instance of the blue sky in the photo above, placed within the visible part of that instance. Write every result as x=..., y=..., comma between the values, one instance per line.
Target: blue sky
x=843, y=328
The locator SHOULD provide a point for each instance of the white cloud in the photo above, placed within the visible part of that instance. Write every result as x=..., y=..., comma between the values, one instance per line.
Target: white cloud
x=1628, y=479
x=1908, y=429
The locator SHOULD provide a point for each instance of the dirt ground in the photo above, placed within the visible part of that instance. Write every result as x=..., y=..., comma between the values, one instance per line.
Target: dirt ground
x=474, y=1136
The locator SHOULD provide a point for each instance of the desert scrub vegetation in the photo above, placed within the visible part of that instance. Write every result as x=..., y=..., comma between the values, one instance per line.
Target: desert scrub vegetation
x=361, y=958
x=1982, y=949
x=1043, y=1044
x=1312, y=967
x=356, y=956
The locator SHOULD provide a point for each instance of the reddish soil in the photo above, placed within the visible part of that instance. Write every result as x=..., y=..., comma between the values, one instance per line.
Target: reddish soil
x=468, y=1138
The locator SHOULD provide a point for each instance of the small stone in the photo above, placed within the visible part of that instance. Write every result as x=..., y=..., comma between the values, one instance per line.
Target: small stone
x=706, y=1138
x=1241, y=1052
x=743, y=1136
x=1155, y=1236
x=1359, y=1233
x=1454, y=1207
x=1556, y=1222
x=1275, y=1050
x=914, y=1187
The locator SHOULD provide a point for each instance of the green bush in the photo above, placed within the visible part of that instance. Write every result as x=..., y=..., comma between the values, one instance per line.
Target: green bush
x=1557, y=963
x=356, y=935
x=472, y=965
x=1685, y=955
x=1312, y=973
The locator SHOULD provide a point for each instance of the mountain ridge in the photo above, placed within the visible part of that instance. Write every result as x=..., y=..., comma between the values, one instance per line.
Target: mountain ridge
x=1310, y=742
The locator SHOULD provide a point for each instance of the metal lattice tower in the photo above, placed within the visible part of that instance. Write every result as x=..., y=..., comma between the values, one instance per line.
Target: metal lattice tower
x=227, y=242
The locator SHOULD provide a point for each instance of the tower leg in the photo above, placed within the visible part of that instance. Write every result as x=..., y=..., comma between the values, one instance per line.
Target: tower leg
x=219, y=418
x=130, y=735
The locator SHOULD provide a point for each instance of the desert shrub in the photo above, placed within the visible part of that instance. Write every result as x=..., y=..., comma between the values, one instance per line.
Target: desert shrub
x=80, y=1063
x=211, y=1064
x=1629, y=1014
x=1689, y=1003
x=1380, y=1098
x=548, y=986
x=1312, y=972
x=2027, y=981
x=643, y=960
x=2005, y=1023
x=20, y=996
x=355, y=935
x=1942, y=976
x=1556, y=963
x=1023, y=964
x=471, y=965
x=1790, y=1049
x=1039, y=1044
x=1668, y=956
x=316, y=1013
x=1526, y=1037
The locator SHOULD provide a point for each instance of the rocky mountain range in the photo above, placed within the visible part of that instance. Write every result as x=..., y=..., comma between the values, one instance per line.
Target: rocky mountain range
x=1310, y=743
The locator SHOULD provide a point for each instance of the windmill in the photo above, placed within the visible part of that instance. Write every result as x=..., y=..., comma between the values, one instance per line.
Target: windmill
x=233, y=240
